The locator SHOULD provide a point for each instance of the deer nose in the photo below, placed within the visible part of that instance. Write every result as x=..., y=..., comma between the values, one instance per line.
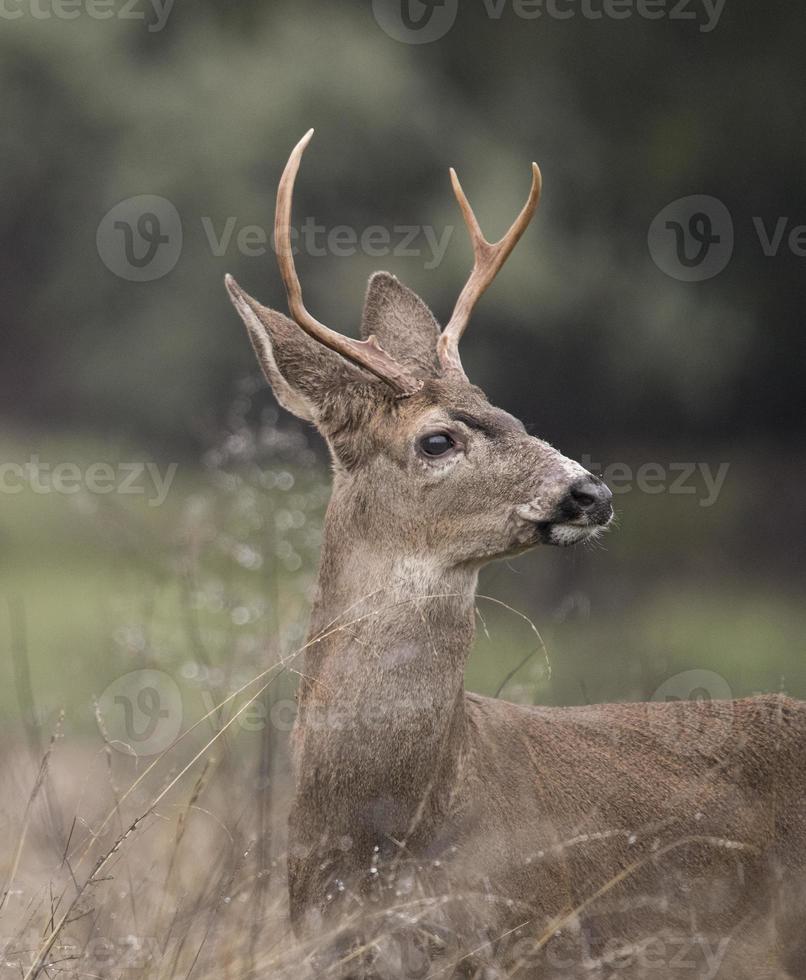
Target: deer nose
x=590, y=497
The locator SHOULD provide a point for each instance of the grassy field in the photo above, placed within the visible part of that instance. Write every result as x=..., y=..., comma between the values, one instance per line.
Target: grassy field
x=129, y=853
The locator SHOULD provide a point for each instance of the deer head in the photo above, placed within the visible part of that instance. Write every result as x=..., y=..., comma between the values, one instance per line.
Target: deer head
x=424, y=465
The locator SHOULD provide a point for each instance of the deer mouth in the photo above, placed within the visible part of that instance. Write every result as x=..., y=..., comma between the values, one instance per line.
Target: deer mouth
x=564, y=528
x=563, y=535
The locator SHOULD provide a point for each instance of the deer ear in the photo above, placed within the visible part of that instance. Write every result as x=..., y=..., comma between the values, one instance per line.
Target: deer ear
x=301, y=372
x=403, y=324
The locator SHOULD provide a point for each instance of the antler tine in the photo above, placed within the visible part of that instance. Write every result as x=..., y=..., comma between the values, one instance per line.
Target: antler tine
x=488, y=259
x=368, y=353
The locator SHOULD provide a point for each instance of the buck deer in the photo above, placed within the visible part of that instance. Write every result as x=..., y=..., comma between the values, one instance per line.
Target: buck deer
x=649, y=838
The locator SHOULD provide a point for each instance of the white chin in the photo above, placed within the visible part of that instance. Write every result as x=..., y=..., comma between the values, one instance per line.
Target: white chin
x=568, y=534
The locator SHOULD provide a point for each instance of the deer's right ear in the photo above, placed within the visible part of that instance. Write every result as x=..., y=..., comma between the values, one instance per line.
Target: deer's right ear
x=300, y=371
x=403, y=324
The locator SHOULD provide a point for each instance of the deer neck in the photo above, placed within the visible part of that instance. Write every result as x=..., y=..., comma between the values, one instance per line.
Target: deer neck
x=382, y=693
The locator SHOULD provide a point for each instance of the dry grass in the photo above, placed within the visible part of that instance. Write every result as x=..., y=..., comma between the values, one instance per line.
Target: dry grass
x=171, y=869
x=117, y=866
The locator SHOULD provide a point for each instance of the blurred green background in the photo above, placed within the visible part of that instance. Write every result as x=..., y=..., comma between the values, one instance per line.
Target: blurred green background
x=583, y=335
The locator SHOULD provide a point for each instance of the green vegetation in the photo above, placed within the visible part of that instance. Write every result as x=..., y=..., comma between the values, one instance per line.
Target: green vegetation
x=216, y=581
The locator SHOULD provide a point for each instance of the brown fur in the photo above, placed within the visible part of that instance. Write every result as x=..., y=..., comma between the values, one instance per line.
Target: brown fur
x=618, y=825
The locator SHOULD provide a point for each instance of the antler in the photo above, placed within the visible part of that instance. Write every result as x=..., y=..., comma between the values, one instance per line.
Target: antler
x=488, y=259
x=368, y=353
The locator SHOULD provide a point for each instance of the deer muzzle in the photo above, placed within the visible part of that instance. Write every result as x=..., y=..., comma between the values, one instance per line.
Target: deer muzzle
x=582, y=512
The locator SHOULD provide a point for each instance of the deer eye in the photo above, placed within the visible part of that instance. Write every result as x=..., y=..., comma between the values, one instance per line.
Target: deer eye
x=436, y=444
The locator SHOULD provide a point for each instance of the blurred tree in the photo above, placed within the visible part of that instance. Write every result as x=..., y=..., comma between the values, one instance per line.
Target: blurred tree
x=583, y=335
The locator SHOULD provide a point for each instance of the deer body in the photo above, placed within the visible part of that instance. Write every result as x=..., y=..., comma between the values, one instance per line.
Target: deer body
x=532, y=811
x=540, y=842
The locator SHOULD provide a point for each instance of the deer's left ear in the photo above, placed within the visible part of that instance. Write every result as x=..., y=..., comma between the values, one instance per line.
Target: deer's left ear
x=403, y=324
x=303, y=374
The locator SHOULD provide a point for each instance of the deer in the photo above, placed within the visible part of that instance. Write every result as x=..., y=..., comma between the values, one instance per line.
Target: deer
x=647, y=839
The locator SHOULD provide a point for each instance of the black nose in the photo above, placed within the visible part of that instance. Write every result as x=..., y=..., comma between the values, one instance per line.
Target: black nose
x=589, y=497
